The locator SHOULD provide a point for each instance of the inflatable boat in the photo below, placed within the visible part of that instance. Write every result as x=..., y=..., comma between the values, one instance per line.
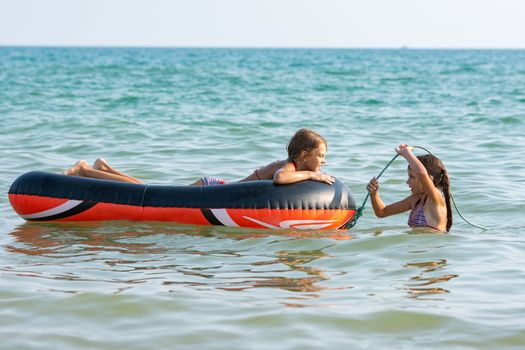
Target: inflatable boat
x=42, y=196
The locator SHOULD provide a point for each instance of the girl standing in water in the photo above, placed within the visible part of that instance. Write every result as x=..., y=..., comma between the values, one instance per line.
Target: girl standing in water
x=429, y=201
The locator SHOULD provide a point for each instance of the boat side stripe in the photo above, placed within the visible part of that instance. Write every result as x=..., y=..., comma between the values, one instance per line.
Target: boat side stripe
x=66, y=211
x=53, y=211
x=210, y=217
x=223, y=216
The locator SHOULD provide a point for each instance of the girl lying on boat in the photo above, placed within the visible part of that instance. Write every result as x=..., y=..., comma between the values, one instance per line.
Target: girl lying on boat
x=306, y=154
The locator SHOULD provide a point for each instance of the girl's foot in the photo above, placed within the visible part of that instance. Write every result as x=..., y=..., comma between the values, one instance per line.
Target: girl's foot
x=101, y=164
x=77, y=169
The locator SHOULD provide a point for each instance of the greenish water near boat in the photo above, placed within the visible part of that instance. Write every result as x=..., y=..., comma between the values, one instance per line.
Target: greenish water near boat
x=170, y=116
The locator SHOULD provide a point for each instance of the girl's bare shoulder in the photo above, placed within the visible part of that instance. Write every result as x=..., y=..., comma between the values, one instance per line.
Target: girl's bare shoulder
x=276, y=165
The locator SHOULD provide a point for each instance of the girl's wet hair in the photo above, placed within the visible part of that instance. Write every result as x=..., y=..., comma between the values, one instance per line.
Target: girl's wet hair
x=304, y=140
x=437, y=170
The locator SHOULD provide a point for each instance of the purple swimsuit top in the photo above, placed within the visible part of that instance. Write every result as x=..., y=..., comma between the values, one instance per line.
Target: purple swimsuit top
x=417, y=215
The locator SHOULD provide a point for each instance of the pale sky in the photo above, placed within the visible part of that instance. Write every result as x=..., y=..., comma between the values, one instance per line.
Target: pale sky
x=265, y=23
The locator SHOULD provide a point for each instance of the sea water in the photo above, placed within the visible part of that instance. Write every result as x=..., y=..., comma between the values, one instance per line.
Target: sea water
x=170, y=116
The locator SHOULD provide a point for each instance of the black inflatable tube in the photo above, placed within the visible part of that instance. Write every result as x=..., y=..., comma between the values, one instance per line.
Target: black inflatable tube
x=245, y=195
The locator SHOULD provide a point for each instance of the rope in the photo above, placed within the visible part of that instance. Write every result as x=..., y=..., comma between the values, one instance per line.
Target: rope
x=461, y=215
x=359, y=211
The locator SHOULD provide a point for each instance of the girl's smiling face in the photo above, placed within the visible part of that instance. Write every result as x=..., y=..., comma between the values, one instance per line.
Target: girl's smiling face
x=413, y=182
x=315, y=159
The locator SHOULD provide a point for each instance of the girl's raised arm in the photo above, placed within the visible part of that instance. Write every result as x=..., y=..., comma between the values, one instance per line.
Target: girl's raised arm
x=421, y=172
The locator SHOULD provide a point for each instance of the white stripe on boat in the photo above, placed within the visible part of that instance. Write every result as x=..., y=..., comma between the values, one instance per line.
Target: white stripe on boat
x=53, y=211
x=223, y=216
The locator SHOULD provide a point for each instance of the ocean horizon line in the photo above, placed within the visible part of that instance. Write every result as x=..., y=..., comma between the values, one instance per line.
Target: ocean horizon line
x=196, y=47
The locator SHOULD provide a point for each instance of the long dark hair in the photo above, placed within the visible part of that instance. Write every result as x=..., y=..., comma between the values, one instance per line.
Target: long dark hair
x=441, y=180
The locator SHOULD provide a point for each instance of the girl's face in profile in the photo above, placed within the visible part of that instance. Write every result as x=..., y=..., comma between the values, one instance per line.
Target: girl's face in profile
x=413, y=182
x=315, y=159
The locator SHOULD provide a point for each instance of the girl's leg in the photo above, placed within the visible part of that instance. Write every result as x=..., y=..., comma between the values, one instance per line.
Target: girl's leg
x=82, y=168
x=102, y=165
x=199, y=182
x=75, y=169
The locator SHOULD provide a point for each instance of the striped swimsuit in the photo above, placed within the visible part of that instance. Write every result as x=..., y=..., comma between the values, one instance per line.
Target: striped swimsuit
x=212, y=181
x=417, y=216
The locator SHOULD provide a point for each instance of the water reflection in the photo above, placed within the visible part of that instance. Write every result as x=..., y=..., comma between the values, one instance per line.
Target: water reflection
x=120, y=256
x=52, y=239
x=294, y=261
x=423, y=284
x=47, y=238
